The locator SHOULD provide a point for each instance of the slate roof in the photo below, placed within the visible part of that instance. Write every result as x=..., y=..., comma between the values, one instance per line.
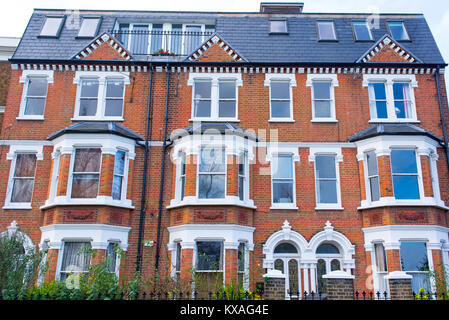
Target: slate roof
x=213, y=128
x=248, y=33
x=97, y=127
x=392, y=129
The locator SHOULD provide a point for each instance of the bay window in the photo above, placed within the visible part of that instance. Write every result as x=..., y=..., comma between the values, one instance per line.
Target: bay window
x=76, y=259
x=404, y=171
x=119, y=175
x=212, y=174
x=414, y=261
x=372, y=176
x=86, y=173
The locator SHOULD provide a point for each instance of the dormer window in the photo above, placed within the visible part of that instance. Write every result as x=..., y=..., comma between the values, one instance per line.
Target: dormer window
x=89, y=27
x=326, y=31
x=52, y=26
x=397, y=30
x=278, y=26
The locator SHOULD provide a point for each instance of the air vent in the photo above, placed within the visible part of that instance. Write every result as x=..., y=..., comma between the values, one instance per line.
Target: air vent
x=281, y=7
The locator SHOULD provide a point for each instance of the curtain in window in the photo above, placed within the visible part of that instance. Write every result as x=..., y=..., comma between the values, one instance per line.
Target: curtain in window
x=380, y=257
x=76, y=258
x=86, y=173
x=23, y=180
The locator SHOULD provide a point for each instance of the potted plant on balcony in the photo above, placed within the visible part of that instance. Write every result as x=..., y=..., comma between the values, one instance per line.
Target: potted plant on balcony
x=162, y=52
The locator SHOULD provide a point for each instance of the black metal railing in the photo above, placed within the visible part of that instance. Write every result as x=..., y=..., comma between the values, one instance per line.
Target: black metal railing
x=156, y=45
x=426, y=295
x=370, y=295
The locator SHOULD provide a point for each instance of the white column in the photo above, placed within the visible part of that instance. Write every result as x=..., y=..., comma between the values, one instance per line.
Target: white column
x=313, y=278
x=306, y=278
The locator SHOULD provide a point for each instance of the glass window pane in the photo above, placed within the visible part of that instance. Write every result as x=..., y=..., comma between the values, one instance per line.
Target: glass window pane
x=87, y=160
x=212, y=160
x=85, y=185
x=119, y=164
x=124, y=34
x=89, y=88
x=374, y=188
x=325, y=166
x=279, y=265
x=282, y=192
x=226, y=89
x=277, y=26
x=113, y=108
x=322, y=109
x=114, y=88
x=37, y=87
x=321, y=271
x=361, y=31
x=280, y=90
x=285, y=248
x=397, y=30
x=176, y=38
x=381, y=259
x=209, y=255
x=280, y=109
x=293, y=276
x=282, y=167
x=178, y=256
x=379, y=90
x=89, y=27
x=88, y=107
x=371, y=160
x=51, y=26
x=414, y=256
x=327, y=248
x=111, y=256
x=403, y=161
x=192, y=38
x=34, y=106
x=241, y=188
x=139, y=39
x=321, y=90
x=25, y=165
x=335, y=265
x=241, y=257
x=202, y=108
x=76, y=257
x=326, y=30
x=211, y=186
x=327, y=191
x=22, y=190
x=406, y=187
x=117, y=188
x=156, y=38
x=226, y=109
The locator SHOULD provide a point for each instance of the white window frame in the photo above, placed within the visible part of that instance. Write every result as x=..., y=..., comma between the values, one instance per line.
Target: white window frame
x=61, y=255
x=117, y=258
x=12, y=155
x=215, y=78
x=102, y=77
x=367, y=27
x=333, y=79
x=24, y=79
x=125, y=174
x=389, y=80
x=327, y=151
x=367, y=176
x=291, y=78
x=225, y=172
x=274, y=151
x=403, y=27
x=72, y=167
x=418, y=174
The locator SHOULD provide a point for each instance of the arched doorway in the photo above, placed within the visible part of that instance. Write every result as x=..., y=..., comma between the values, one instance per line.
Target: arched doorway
x=328, y=259
x=286, y=259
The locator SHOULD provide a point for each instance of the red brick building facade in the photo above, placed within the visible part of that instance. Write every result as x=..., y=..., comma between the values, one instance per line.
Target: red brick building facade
x=302, y=166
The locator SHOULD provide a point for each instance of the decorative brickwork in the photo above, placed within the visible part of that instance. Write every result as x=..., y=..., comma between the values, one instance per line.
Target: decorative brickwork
x=400, y=286
x=274, y=285
x=339, y=286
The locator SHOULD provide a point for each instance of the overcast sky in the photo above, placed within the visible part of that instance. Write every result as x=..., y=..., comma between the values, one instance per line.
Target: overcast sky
x=14, y=18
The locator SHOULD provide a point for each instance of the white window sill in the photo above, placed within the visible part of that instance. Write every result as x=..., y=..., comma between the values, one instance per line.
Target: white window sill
x=283, y=206
x=214, y=120
x=99, y=201
x=228, y=201
x=391, y=201
x=324, y=120
x=18, y=205
x=97, y=119
x=333, y=206
x=288, y=120
x=394, y=121
x=35, y=117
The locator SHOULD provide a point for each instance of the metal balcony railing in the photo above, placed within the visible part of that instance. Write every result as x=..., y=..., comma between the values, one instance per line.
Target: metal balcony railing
x=160, y=45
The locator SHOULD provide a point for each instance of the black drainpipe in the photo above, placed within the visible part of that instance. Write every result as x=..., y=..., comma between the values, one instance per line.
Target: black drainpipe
x=161, y=194
x=144, y=180
x=443, y=123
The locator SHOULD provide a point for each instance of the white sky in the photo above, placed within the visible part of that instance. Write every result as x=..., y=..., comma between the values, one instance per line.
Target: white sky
x=13, y=20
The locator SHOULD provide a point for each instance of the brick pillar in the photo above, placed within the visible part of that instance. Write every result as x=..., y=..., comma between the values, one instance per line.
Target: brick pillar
x=439, y=272
x=339, y=285
x=232, y=179
x=393, y=260
x=274, y=285
x=186, y=265
x=129, y=187
x=98, y=255
x=231, y=266
x=362, y=179
x=426, y=176
x=64, y=169
x=190, y=189
x=52, y=262
x=106, y=175
x=385, y=179
x=400, y=285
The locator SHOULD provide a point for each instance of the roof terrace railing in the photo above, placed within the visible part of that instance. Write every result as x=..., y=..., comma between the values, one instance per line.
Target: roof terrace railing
x=160, y=45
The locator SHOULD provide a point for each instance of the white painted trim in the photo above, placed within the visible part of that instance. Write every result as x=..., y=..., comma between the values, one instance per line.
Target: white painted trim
x=333, y=78
x=26, y=74
x=291, y=77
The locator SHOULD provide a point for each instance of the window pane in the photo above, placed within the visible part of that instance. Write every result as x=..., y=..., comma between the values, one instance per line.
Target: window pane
x=327, y=191
x=176, y=38
x=89, y=88
x=88, y=107
x=51, y=26
x=361, y=30
x=293, y=276
x=381, y=259
x=402, y=100
x=335, y=265
x=192, y=38
x=226, y=109
x=280, y=90
x=202, y=108
x=282, y=192
x=85, y=185
x=397, y=30
x=405, y=187
x=76, y=257
x=34, y=106
x=321, y=271
x=403, y=161
x=156, y=38
x=88, y=27
x=279, y=265
x=209, y=255
x=278, y=26
x=374, y=188
x=114, y=88
x=327, y=248
x=322, y=109
x=37, y=87
x=202, y=89
x=124, y=34
x=321, y=90
x=241, y=257
x=178, y=256
x=226, y=89
x=211, y=186
x=280, y=109
x=371, y=160
x=117, y=188
x=22, y=190
x=25, y=165
x=326, y=30
x=325, y=166
x=414, y=256
x=139, y=39
x=113, y=108
x=241, y=188
x=212, y=160
x=87, y=160
x=285, y=248
x=111, y=256
x=119, y=164
x=282, y=167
